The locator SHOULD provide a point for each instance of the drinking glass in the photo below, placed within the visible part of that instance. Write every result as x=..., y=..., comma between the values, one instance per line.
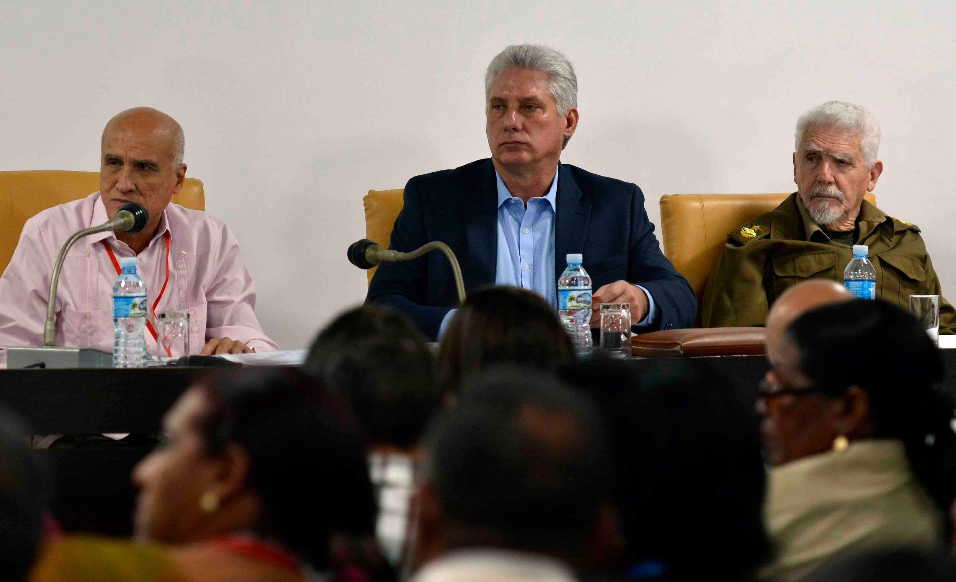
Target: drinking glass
x=616, y=329
x=173, y=335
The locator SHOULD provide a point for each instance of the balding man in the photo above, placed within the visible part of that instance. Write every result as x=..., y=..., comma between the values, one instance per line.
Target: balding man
x=189, y=260
x=812, y=233
x=797, y=300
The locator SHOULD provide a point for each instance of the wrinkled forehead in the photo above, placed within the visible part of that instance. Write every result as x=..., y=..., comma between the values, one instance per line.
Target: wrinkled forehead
x=140, y=142
x=832, y=139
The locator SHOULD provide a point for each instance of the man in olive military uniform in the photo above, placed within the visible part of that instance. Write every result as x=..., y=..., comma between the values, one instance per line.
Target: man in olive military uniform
x=811, y=234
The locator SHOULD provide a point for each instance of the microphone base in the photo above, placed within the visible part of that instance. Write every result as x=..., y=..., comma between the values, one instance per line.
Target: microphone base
x=57, y=357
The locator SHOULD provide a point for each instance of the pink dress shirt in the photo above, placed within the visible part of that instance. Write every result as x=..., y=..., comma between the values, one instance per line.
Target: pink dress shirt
x=207, y=278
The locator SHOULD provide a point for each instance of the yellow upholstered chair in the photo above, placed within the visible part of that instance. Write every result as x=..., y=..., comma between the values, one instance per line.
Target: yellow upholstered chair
x=381, y=210
x=694, y=228
x=25, y=193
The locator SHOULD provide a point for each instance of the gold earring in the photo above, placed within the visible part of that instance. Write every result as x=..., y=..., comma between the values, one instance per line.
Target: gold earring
x=840, y=444
x=209, y=502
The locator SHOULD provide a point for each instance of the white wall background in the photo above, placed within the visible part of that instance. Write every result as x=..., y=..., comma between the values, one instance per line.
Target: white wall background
x=293, y=110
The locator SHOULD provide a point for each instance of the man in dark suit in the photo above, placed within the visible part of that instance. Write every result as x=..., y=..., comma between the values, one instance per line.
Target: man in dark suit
x=512, y=219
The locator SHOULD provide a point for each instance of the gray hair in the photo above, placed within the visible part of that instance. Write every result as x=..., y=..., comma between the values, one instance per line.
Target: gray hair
x=848, y=116
x=563, y=81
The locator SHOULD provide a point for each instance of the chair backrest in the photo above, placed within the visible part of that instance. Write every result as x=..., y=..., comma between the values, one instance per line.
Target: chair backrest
x=25, y=193
x=694, y=228
x=381, y=210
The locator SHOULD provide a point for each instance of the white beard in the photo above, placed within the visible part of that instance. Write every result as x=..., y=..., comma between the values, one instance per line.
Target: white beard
x=826, y=204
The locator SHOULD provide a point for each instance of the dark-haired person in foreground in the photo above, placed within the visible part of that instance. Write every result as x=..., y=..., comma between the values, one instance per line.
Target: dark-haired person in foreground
x=375, y=358
x=859, y=435
x=512, y=219
x=24, y=491
x=516, y=484
x=378, y=361
x=689, y=475
x=260, y=468
x=501, y=325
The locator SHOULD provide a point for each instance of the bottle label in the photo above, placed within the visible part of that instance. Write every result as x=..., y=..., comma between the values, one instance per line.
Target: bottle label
x=574, y=299
x=129, y=306
x=861, y=289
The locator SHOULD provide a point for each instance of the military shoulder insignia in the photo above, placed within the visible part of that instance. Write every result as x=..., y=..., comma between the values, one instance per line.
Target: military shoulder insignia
x=750, y=231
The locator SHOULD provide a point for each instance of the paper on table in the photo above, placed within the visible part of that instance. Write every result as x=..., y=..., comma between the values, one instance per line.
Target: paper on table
x=277, y=358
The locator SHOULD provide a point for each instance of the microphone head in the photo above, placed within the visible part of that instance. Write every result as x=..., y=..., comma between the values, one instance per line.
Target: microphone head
x=134, y=217
x=357, y=255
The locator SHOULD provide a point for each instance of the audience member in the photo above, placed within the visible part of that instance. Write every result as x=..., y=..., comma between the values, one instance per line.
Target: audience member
x=797, y=300
x=501, y=325
x=689, y=477
x=860, y=440
x=379, y=361
x=23, y=499
x=516, y=483
x=260, y=468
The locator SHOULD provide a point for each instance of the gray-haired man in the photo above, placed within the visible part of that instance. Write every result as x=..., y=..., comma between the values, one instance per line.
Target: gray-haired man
x=811, y=234
x=513, y=218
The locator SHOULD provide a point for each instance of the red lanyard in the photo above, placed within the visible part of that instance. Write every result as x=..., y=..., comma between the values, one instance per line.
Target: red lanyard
x=116, y=265
x=258, y=549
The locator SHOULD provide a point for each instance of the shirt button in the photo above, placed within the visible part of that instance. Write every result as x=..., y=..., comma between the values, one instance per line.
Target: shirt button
x=526, y=230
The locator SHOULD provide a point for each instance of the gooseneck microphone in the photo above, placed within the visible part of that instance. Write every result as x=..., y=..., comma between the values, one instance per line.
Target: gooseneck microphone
x=129, y=218
x=365, y=254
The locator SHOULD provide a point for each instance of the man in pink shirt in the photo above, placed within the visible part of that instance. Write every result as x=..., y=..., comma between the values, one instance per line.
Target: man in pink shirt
x=189, y=260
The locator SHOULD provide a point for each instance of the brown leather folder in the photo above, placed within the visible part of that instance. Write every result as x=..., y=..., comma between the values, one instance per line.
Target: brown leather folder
x=700, y=341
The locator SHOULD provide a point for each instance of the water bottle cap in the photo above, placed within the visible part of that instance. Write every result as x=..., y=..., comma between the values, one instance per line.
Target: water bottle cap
x=861, y=250
x=127, y=261
x=575, y=258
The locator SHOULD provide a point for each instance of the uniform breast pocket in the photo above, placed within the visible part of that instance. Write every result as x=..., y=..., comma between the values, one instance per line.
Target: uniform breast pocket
x=792, y=268
x=902, y=276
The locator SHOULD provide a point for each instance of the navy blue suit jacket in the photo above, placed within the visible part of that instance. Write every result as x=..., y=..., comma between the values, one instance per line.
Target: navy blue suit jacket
x=602, y=218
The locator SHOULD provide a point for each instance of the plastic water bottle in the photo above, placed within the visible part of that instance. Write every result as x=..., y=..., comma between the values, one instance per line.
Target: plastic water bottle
x=129, y=317
x=860, y=276
x=574, y=303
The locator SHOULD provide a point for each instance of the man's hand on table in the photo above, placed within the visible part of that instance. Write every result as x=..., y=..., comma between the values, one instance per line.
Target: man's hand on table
x=619, y=292
x=224, y=345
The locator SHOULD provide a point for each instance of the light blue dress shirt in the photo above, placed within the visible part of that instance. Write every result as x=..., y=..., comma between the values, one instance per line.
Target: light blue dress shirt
x=526, y=246
x=526, y=241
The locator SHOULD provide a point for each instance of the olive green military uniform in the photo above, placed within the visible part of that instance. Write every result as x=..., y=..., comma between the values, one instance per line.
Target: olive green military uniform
x=779, y=249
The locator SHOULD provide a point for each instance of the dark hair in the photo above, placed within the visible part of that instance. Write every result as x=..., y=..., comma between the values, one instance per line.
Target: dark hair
x=498, y=470
x=501, y=325
x=24, y=495
x=885, y=352
x=307, y=462
x=380, y=362
x=689, y=474
x=890, y=565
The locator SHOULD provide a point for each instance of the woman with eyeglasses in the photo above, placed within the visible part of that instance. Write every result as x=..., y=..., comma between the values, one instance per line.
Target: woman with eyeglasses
x=858, y=435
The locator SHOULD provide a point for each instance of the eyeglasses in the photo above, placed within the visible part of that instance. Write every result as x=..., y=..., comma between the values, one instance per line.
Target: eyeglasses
x=766, y=391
